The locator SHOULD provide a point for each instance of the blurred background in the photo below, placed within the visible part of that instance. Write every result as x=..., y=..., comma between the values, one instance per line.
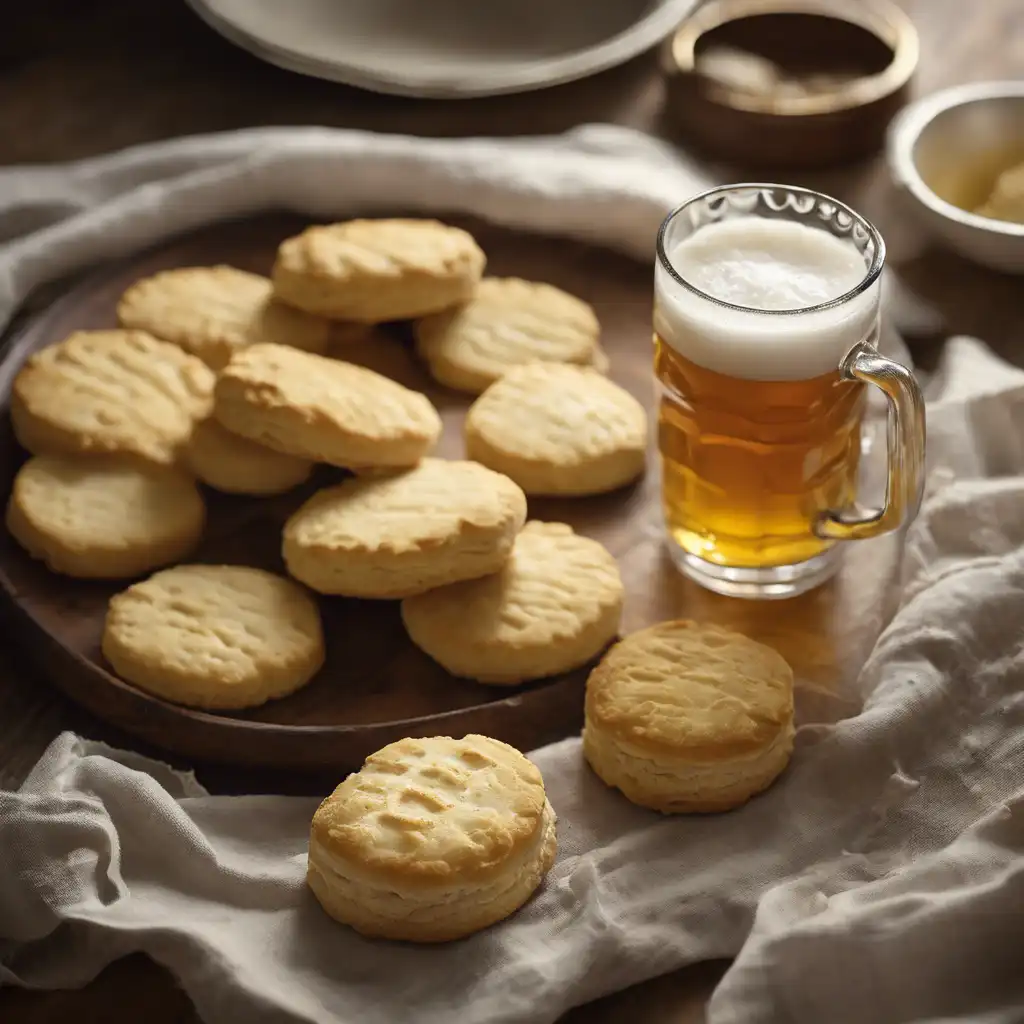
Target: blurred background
x=82, y=77
x=79, y=77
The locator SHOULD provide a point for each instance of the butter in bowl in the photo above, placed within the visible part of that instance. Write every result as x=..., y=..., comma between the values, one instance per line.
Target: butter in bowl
x=958, y=156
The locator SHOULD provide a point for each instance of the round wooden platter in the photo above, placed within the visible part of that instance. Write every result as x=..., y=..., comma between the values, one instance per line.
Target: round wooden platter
x=376, y=686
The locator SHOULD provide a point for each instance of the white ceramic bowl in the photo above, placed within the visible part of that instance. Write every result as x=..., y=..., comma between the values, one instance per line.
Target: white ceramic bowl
x=944, y=135
x=445, y=48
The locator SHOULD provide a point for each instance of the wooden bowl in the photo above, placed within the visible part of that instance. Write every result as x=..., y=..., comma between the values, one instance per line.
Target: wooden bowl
x=871, y=44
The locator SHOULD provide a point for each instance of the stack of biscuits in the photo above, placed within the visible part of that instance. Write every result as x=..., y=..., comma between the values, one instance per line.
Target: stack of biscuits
x=221, y=379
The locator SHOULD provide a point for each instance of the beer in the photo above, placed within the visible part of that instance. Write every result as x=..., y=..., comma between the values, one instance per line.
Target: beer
x=747, y=465
x=759, y=432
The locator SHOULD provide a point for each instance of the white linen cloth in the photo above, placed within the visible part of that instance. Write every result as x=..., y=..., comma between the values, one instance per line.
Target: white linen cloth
x=880, y=881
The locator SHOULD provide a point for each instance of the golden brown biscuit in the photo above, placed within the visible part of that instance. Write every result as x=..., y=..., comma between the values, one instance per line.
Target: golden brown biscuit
x=105, y=517
x=371, y=271
x=323, y=409
x=101, y=392
x=508, y=322
x=683, y=717
x=553, y=606
x=236, y=465
x=599, y=360
x=214, y=636
x=433, y=839
x=558, y=430
x=399, y=535
x=213, y=312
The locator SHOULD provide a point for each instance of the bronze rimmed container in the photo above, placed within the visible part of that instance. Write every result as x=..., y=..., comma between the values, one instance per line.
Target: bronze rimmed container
x=871, y=44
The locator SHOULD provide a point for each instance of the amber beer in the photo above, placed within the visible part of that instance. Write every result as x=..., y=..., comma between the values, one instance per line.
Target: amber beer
x=748, y=464
x=765, y=320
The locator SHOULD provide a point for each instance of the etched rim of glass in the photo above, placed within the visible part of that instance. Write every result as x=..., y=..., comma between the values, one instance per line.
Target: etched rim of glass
x=871, y=275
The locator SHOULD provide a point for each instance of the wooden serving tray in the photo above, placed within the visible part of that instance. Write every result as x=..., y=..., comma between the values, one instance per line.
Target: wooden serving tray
x=376, y=686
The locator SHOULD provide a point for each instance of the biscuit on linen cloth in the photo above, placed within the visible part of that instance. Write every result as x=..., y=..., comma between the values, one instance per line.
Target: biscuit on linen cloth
x=433, y=839
x=372, y=271
x=213, y=312
x=558, y=430
x=104, y=518
x=683, y=717
x=395, y=536
x=324, y=409
x=553, y=606
x=508, y=322
x=214, y=636
x=236, y=465
x=101, y=392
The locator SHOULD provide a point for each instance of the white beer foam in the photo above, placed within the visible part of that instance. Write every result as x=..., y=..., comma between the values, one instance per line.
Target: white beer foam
x=764, y=265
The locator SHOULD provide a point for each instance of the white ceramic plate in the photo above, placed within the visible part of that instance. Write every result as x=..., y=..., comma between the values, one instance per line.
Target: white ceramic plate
x=445, y=48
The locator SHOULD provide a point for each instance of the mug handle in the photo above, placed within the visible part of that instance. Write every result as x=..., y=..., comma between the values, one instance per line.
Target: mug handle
x=905, y=433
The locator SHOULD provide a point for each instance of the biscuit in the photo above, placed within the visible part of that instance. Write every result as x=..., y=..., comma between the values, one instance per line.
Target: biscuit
x=103, y=518
x=599, y=360
x=236, y=465
x=323, y=409
x=396, y=536
x=214, y=636
x=102, y=392
x=683, y=717
x=432, y=840
x=553, y=606
x=213, y=312
x=508, y=322
x=371, y=271
x=558, y=430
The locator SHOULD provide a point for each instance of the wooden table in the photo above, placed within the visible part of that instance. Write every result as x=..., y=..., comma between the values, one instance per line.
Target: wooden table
x=80, y=77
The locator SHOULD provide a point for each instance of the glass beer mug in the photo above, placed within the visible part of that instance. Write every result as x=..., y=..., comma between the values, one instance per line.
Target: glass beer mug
x=766, y=316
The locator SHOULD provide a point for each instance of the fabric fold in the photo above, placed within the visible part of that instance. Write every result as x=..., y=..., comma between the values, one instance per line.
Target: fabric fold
x=601, y=183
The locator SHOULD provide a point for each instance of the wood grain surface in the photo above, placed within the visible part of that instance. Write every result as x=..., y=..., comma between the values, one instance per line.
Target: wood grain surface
x=80, y=77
